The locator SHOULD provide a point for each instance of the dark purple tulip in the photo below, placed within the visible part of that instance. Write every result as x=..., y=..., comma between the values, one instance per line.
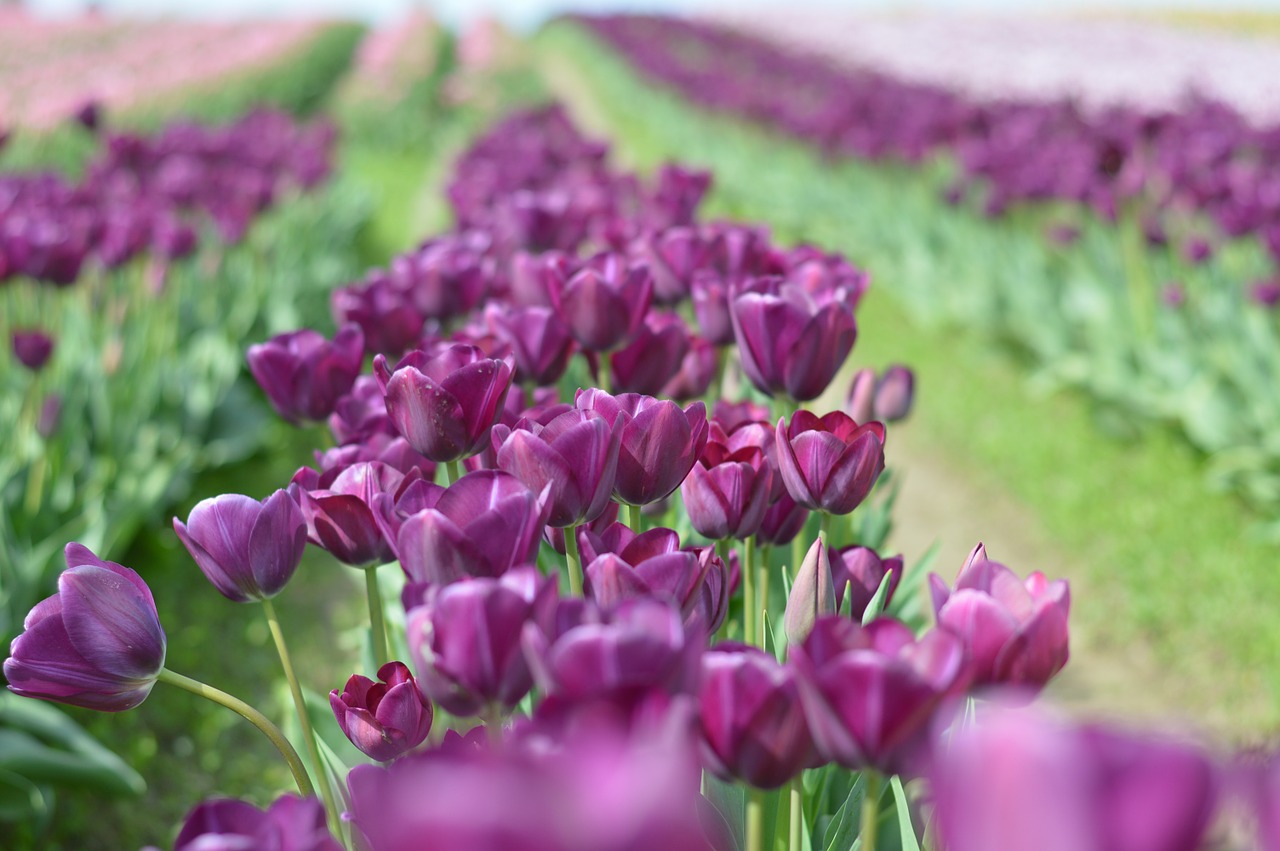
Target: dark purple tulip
x=831, y=463
x=97, y=643
x=361, y=413
x=389, y=449
x=1015, y=632
x=540, y=343
x=466, y=639
x=484, y=524
x=813, y=595
x=782, y=521
x=605, y=303
x=860, y=403
x=1265, y=293
x=673, y=257
x=894, y=393
x=446, y=404
x=535, y=276
x=1022, y=779
x=790, y=341
x=653, y=357
x=711, y=307
x=303, y=374
x=384, y=312
x=32, y=347
x=858, y=571
x=246, y=548
x=575, y=456
x=652, y=565
x=446, y=276
x=88, y=115
x=225, y=824
x=697, y=371
x=385, y=719
x=341, y=518
x=818, y=272
x=753, y=725
x=870, y=692
x=727, y=492
x=660, y=442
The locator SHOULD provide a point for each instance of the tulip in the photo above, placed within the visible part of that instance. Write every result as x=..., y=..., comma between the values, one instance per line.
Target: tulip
x=791, y=342
x=246, y=548
x=782, y=521
x=829, y=464
x=673, y=256
x=858, y=571
x=385, y=719
x=32, y=347
x=341, y=518
x=605, y=302
x=88, y=115
x=446, y=404
x=540, y=343
x=753, y=725
x=870, y=692
x=534, y=276
x=730, y=416
x=303, y=374
x=484, y=524
x=894, y=393
x=97, y=643
x=446, y=276
x=860, y=403
x=660, y=442
x=652, y=565
x=818, y=272
x=225, y=824
x=697, y=372
x=575, y=455
x=386, y=315
x=813, y=595
x=1022, y=779
x=727, y=492
x=711, y=307
x=653, y=357
x=1015, y=631
x=465, y=638
x=361, y=413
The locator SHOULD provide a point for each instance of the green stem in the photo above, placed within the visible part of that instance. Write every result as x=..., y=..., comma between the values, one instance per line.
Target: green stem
x=492, y=719
x=824, y=527
x=377, y=622
x=749, y=609
x=870, y=811
x=253, y=716
x=453, y=471
x=308, y=734
x=573, y=560
x=755, y=819
x=635, y=519
x=717, y=383
x=761, y=560
x=602, y=374
x=797, y=814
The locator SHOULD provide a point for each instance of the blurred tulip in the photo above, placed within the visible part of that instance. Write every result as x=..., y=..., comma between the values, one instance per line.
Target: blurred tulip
x=605, y=302
x=385, y=719
x=860, y=403
x=858, y=572
x=653, y=357
x=697, y=371
x=813, y=595
x=32, y=347
x=829, y=464
x=246, y=548
x=303, y=374
x=226, y=824
x=895, y=392
x=383, y=311
x=540, y=343
x=652, y=565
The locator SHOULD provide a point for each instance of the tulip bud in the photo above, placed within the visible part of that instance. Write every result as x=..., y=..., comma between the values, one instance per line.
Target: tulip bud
x=385, y=719
x=812, y=596
x=861, y=402
x=246, y=548
x=32, y=348
x=894, y=393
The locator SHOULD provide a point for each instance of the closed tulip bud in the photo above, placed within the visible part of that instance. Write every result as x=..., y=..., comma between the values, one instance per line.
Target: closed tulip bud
x=813, y=595
x=226, y=824
x=711, y=297
x=653, y=357
x=1015, y=632
x=829, y=464
x=870, y=692
x=246, y=548
x=383, y=719
x=465, y=638
x=894, y=393
x=862, y=390
x=303, y=374
x=858, y=572
x=752, y=721
x=540, y=343
x=97, y=643
x=32, y=347
x=605, y=302
x=446, y=404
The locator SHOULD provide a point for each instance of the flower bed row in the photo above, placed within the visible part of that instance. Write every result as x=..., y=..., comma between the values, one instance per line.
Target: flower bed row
x=567, y=663
x=1125, y=276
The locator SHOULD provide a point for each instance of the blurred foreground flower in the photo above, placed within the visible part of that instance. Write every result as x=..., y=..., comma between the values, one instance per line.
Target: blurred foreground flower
x=225, y=824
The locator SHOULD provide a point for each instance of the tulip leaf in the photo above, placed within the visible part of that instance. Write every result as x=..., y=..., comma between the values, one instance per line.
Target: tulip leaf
x=731, y=800
x=843, y=829
x=905, y=828
x=43, y=743
x=22, y=801
x=910, y=603
x=876, y=606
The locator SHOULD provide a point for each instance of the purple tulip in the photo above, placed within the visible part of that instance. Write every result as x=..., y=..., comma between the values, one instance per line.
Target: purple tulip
x=697, y=370
x=1022, y=779
x=32, y=347
x=575, y=455
x=870, y=692
x=753, y=724
x=894, y=393
x=831, y=463
x=858, y=571
x=653, y=357
x=813, y=595
x=860, y=403
x=652, y=564
x=384, y=311
x=1255, y=779
x=484, y=524
x=88, y=115
x=605, y=302
x=711, y=297
x=446, y=276
x=782, y=521
x=385, y=719
x=818, y=273
x=540, y=343
x=728, y=491
x=341, y=518
x=446, y=404
x=1265, y=293
x=1015, y=632
x=246, y=548
x=790, y=341
x=303, y=374
x=225, y=824
x=465, y=638
x=673, y=256
x=660, y=442
x=97, y=643
x=535, y=276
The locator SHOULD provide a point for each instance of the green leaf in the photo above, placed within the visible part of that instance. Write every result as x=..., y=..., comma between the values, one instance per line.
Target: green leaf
x=905, y=828
x=731, y=801
x=843, y=829
x=876, y=605
x=48, y=746
x=21, y=800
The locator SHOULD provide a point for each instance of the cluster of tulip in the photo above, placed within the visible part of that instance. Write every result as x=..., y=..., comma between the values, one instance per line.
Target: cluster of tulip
x=607, y=662
x=151, y=193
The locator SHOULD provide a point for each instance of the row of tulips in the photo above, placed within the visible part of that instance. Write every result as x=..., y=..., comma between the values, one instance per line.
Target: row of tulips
x=1145, y=235
x=605, y=662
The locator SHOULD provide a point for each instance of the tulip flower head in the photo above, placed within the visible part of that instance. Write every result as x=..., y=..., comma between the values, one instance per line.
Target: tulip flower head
x=246, y=548
x=303, y=374
x=289, y=824
x=384, y=719
x=831, y=463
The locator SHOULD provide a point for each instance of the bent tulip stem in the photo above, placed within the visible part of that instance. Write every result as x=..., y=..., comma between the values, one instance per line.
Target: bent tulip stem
x=253, y=716
x=634, y=518
x=573, y=560
x=377, y=621
x=755, y=819
x=308, y=733
x=870, y=811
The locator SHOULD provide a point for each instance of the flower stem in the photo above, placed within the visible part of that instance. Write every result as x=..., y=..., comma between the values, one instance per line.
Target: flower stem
x=573, y=560
x=492, y=719
x=635, y=519
x=761, y=561
x=453, y=471
x=749, y=607
x=308, y=734
x=797, y=814
x=602, y=373
x=824, y=527
x=870, y=811
x=253, y=716
x=755, y=819
x=377, y=622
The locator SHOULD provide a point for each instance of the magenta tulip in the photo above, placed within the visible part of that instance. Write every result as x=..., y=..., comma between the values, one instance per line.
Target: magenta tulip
x=246, y=548
x=303, y=374
x=829, y=464
x=383, y=719
x=225, y=824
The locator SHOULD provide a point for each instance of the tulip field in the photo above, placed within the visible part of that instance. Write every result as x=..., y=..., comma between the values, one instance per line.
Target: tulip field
x=650, y=433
